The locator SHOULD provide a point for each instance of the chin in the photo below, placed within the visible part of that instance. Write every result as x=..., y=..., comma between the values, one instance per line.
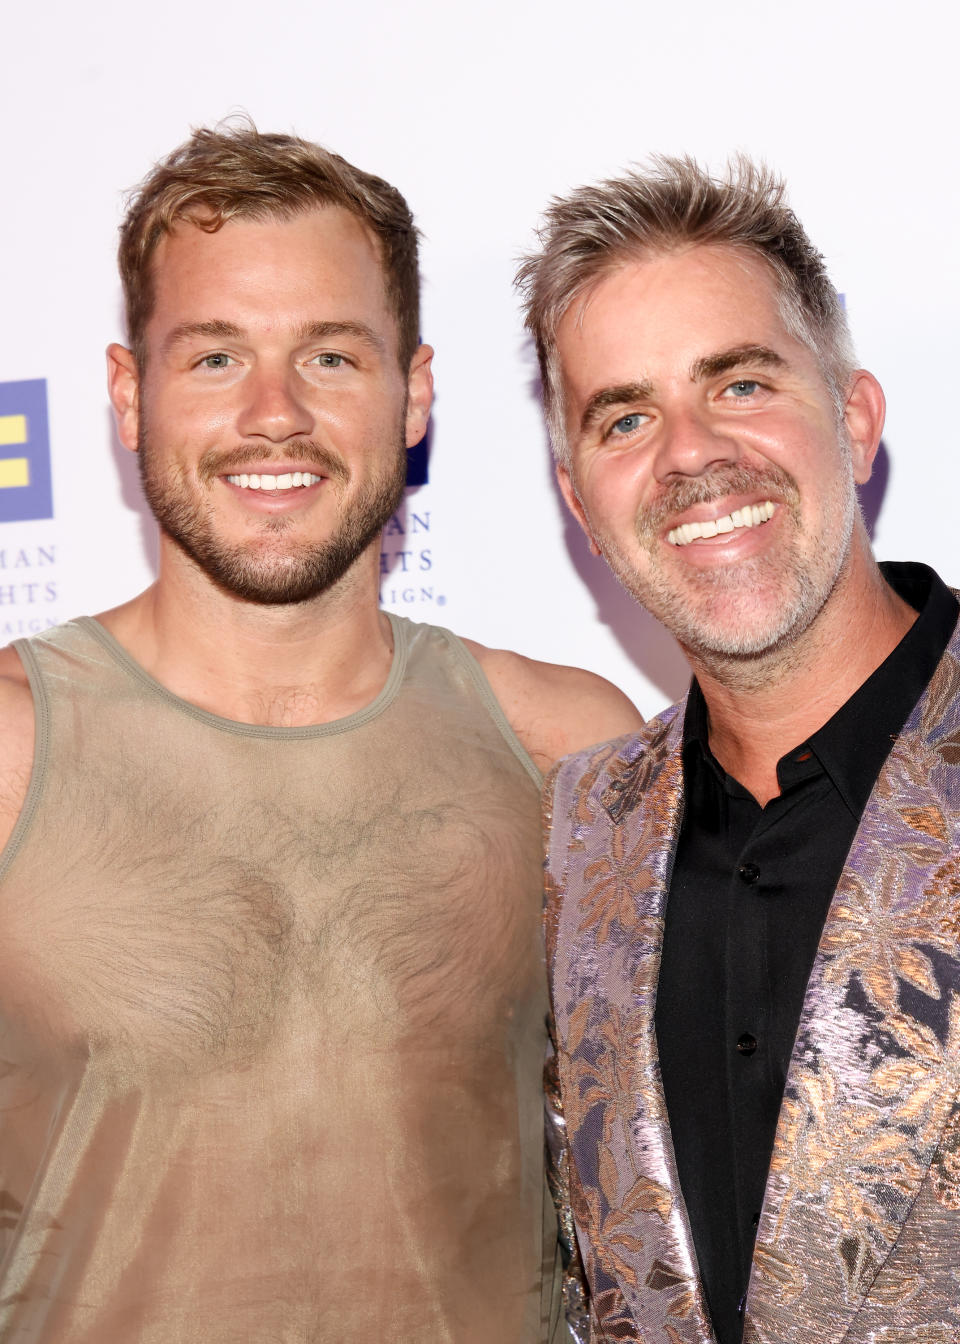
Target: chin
x=751, y=625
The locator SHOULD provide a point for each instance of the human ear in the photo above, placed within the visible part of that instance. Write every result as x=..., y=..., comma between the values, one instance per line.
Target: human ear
x=568, y=490
x=419, y=394
x=863, y=416
x=123, y=384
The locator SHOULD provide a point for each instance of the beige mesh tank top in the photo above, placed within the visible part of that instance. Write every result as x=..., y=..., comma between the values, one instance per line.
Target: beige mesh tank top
x=272, y=1017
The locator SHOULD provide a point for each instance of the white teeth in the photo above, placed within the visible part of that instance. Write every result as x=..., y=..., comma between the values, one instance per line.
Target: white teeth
x=290, y=480
x=751, y=515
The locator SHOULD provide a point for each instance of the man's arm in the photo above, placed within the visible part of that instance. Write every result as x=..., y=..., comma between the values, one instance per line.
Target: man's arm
x=16, y=740
x=555, y=710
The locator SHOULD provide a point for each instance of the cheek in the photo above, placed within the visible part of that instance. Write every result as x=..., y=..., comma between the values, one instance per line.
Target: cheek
x=358, y=415
x=615, y=489
x=181, y=419
x=795, y=442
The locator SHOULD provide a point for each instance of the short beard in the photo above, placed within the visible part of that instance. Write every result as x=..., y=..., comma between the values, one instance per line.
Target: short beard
x=805, y=581
x=250, y=570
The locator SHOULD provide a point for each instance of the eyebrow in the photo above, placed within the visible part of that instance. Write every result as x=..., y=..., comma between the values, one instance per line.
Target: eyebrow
x=612, y=396
x=186, y=331
x=307, y=331
x=725, y=360
x=322, y=331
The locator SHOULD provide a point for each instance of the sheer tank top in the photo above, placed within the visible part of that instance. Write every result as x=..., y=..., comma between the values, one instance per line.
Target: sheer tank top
x=273, y=1017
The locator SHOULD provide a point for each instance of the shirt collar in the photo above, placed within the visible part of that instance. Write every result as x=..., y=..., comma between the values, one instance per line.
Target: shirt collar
x=853, y=745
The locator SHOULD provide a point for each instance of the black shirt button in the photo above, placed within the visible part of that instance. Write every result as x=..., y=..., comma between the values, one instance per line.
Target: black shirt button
x=749, y=872
x=747, y=1044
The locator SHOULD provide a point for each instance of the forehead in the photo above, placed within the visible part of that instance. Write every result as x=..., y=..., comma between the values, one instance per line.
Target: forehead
x=654, y=316
x=302, y=266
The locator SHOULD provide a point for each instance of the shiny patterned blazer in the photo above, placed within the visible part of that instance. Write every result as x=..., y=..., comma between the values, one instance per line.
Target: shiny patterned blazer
x=859, y=1236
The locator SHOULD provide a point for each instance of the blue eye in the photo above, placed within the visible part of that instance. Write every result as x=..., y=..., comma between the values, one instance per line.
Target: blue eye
x=743, y=387
x=627, y=424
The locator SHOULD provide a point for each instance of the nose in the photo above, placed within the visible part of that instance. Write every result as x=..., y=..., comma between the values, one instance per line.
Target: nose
x=690, y=444
x=273, y=407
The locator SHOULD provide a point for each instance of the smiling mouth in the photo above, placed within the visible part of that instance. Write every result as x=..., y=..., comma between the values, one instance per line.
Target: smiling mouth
x=291, y=480
x=751, y=515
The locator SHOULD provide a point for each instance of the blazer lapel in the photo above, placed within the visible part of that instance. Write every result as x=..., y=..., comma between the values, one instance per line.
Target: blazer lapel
x=604, y=943
x=875, y=1066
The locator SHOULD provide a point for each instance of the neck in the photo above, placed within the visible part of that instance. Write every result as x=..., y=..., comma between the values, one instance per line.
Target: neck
x=285, y=665
x=762, y=708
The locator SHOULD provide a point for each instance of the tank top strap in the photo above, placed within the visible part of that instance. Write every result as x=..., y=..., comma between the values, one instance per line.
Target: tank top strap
x=421, y=645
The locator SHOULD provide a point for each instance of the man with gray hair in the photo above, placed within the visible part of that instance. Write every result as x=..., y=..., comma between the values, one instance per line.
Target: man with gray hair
x=755, y=901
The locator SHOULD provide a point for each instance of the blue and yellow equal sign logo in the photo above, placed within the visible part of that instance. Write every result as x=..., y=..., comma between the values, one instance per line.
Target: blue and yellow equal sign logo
x=25, y=489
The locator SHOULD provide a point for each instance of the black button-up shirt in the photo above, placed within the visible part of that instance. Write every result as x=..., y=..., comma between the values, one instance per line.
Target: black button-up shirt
x=748, y=897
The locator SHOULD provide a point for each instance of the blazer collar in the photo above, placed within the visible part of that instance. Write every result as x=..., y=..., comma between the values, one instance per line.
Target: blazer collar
x=638, y=1223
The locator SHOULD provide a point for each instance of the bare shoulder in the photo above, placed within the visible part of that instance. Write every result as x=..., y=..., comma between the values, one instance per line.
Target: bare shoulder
x=16, y=739
x=553, y=709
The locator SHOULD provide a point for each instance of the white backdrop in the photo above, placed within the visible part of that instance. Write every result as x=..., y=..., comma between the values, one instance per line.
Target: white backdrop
x=478, y=115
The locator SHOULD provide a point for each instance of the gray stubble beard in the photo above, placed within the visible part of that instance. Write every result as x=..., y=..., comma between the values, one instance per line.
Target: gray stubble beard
x=805, y=587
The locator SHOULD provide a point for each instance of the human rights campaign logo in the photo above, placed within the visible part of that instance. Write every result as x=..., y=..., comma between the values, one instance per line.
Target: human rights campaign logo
x=25, y=491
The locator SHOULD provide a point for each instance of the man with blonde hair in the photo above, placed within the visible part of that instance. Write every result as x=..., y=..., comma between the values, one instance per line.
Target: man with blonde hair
x=753, y=925
x=272, y=998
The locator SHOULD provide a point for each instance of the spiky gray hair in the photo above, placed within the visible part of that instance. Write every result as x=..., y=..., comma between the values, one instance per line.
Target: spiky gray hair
x=670, y=205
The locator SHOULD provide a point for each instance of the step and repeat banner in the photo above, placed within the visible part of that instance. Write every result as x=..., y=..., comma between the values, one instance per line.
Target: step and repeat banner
x=478, y=114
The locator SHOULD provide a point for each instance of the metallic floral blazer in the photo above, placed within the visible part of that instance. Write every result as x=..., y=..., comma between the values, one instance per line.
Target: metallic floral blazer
x=859, y=1237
